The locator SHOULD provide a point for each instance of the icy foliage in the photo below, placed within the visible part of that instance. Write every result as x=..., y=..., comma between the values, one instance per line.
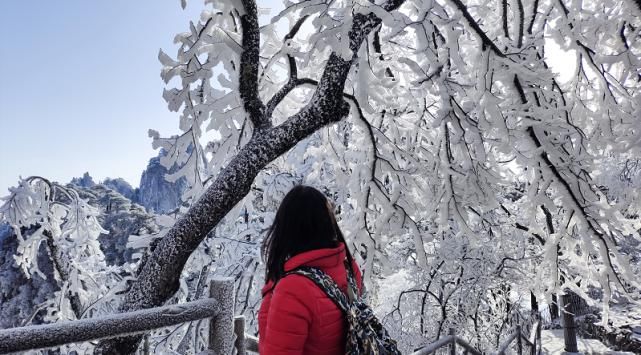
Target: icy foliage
x=465, y=166
x=34, y=298
x=122, y=219
x=57, y=233
x=56, y=213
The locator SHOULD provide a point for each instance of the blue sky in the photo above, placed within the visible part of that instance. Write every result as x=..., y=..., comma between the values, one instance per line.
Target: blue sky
x=80, y=85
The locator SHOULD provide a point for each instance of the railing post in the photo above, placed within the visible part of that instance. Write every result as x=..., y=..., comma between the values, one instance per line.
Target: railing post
x=538, y=338
x=536, y=343
x=145, y=345
x=239, y=330
x=519, y=341
x=533, y=331
x=452, y=332
x=221, y=327
x=569, y=328
x=554, y=307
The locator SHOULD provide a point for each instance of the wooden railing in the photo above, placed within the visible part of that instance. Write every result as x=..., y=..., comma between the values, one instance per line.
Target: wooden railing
x=452, y=341
x=219, y=308
x=250, y=343
x=533, y=342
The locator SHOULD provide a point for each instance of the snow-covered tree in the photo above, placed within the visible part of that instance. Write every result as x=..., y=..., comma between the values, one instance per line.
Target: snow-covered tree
x=462, y=168
x=41, y=212
x=440, y=122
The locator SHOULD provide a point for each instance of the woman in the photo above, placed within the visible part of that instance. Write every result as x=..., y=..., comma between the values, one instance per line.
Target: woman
x=296, y=316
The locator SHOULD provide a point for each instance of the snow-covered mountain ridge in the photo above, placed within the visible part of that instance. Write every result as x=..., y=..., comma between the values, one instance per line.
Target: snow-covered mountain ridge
x=154, y=193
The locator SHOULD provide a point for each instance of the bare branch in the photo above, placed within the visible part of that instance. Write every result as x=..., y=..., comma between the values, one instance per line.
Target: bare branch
x=521, y=22
x=535, y=9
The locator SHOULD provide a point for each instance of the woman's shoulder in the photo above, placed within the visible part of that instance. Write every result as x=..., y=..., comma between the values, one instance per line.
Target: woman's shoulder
x=298, y=290
x=292, y=284
x=295, y=284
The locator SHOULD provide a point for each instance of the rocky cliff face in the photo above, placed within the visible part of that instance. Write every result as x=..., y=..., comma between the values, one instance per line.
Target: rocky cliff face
x=122, y=187
x=157, y=194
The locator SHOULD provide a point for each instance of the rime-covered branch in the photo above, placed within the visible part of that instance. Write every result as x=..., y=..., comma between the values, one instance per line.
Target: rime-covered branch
x=249, y=62
x=44, y=212
x=487, y=42
x=576, y=201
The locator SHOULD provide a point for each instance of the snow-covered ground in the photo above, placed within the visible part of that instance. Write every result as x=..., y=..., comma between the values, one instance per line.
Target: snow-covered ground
x=552, y=341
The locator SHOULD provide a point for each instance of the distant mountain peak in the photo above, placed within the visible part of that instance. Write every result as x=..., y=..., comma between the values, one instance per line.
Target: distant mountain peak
x=157, y=194
x=85, y=181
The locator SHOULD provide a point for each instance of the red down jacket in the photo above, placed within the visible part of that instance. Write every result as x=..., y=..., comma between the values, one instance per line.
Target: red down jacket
x=297, y=317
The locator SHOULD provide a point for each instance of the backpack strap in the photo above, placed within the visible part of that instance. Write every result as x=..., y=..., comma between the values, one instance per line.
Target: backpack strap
x=325, y=283
x=352, y=289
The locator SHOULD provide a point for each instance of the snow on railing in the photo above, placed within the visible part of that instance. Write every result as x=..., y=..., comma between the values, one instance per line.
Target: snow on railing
x=533, y=342
x=251, y=343
x=224, y=330
x=244, y=342
x=451, y=341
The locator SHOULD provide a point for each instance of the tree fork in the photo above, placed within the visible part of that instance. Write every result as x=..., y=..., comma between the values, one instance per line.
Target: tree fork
x=159, y=277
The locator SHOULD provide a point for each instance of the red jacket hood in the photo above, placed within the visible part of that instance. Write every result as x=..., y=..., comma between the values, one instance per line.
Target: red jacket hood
x=320, y=258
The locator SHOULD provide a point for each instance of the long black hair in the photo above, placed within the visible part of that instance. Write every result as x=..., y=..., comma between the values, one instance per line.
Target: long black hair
x=304, y=221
